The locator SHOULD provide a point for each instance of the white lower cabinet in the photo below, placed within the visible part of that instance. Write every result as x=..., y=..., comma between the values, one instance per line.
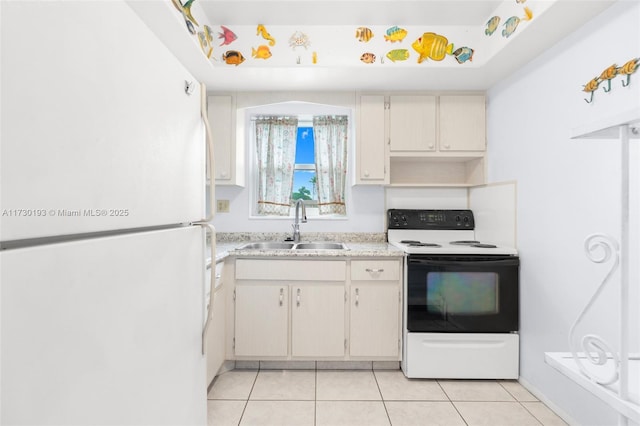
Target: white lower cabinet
x=261, y=320
x=215, y=338
x=317, y=320
x=313, y=309
x=375, y=320
x=375, y=308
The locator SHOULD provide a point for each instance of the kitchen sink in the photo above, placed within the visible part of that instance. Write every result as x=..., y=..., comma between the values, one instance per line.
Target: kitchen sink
x=274, y=245
x=320, y=246
x=267, y=246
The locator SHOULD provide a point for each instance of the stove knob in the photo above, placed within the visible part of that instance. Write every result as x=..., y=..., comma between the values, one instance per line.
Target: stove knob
x=458, y=218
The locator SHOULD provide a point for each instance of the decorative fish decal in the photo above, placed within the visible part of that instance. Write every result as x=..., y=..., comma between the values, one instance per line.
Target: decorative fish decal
x=233, y=57
x=262, y=31
x=226, y=35
x=395, y=34
x=190, y=26
x=492, y=25
x=299, y=39
x=368, y=58
x=364, y=34
x=432, y=45
x=185, y=9
x=204, y=44
x=512, y=23
x=398, y=55
x=262, y=52
x=463, y=54
x=208, y=32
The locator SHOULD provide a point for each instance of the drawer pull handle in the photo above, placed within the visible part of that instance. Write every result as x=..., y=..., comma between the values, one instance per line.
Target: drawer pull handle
x=298, y=298
x=375, y=271
x=281, y=295
x=357, y=297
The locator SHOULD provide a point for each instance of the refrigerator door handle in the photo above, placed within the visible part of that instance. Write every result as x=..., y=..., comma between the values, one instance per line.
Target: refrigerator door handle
x=210, y=154
x=212, y=283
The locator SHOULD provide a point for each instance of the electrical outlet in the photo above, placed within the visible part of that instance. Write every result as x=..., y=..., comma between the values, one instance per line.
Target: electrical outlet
x=222, y=206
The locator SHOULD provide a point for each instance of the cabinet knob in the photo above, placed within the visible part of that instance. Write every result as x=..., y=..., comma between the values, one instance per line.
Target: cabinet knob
x=447, y=146
x=223, y=174
x=366, y=173
x=431, y=146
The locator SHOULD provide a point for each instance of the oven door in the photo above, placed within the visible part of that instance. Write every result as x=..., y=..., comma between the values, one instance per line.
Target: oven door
x=462, y=294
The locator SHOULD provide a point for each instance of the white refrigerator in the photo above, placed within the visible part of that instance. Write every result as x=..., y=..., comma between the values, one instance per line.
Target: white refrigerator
x=102, y=167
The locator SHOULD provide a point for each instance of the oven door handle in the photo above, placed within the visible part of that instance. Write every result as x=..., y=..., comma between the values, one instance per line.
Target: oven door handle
x=469, y=262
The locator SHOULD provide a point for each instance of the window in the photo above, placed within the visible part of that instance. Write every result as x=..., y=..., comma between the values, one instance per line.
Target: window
x=298, y=156
x=304, y=170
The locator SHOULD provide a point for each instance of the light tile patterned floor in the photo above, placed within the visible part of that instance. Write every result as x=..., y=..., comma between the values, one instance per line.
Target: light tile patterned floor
x=369, y=398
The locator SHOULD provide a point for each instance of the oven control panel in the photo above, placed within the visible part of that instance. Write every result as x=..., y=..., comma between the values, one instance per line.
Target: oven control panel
x=430, y=219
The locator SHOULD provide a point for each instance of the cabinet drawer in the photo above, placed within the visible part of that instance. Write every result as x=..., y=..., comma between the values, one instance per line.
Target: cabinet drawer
x=375, y=270
x=291, y=270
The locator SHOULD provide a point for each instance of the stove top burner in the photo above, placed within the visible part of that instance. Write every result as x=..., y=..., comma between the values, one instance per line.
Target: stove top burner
x=483, y=245
x=473, y=243
x=419, y=244
x=416, y=243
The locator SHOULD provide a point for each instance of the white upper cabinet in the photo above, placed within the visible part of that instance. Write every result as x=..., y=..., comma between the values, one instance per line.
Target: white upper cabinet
x=432, y=140
x=412, y=123
x=228, y=153
x=372, y=163
x=462, y=123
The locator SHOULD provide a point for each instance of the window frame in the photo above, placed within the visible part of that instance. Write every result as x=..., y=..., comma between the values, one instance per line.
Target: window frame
x=305, y=112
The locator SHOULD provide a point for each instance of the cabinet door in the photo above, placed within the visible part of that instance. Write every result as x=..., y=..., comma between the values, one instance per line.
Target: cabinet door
x=317, y=320
x=412, y=123
x=215, y=335
x=221, y=120
x=375, y=316
x=371, y=157
x=462, y=123
x=261, y=320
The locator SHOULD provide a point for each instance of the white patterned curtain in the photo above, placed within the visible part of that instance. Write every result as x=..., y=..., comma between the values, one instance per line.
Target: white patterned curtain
x=276, y=149
x=330, y=134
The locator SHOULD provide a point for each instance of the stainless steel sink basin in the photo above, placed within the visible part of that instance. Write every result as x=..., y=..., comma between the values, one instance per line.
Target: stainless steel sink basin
x=276, y=245
x=320, y=246
x=270, y=245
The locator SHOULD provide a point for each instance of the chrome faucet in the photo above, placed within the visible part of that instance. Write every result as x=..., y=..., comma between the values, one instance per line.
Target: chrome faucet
x=298, y=220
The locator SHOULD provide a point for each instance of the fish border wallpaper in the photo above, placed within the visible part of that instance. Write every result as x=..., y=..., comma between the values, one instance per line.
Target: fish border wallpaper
x=365, y=45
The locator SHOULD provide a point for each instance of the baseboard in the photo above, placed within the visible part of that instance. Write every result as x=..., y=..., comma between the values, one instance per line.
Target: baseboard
x=538, y=394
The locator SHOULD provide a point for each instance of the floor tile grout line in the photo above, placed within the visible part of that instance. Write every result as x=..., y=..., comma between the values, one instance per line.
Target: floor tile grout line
x=249, y=396
x=532, y=414
x=381, y=395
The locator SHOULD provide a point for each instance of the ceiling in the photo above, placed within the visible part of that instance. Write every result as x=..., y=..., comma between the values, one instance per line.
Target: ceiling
x=560, y=17
x=353, y=12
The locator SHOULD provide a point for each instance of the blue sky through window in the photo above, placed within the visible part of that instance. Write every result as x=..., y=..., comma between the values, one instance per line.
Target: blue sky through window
x=304, y=155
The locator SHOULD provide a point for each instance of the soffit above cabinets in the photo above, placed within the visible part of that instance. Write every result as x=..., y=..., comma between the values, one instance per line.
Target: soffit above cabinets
x=331, y=60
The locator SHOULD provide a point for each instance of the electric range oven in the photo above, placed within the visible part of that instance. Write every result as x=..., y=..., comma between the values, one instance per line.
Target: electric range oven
x=461, y=297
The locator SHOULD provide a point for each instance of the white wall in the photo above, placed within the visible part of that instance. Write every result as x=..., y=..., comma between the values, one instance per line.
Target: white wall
x=365, y=204
x=567, y=190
